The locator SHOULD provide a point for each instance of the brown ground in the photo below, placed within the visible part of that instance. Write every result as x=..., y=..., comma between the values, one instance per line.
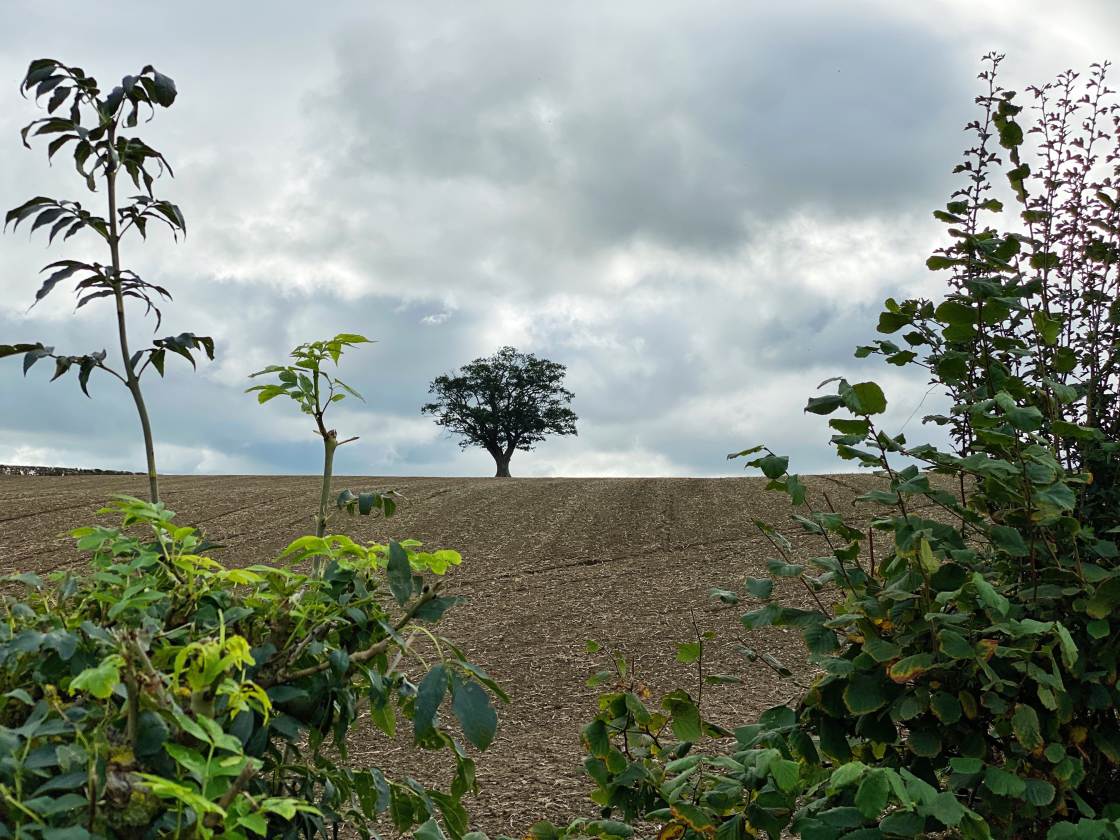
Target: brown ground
x=548, y=564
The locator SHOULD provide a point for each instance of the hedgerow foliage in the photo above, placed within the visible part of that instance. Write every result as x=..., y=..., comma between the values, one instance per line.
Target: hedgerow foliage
x=966, y=646
x=159, y=694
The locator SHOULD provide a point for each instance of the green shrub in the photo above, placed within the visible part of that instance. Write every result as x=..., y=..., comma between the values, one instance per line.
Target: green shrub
x=965, y=647
x=160, y=694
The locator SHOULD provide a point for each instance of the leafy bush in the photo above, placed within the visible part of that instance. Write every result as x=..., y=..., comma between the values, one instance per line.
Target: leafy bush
x=161, y=694
x=965, y=647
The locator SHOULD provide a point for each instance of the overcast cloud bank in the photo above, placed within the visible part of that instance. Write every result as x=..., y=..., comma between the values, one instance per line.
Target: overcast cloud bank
x=697, y=207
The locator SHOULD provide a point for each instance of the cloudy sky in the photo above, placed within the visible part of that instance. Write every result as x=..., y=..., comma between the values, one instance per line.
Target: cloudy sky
x=697, y=207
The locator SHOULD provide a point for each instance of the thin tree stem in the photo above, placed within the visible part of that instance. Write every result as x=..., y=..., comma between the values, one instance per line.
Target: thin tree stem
x=329, y=446
x=131, y=380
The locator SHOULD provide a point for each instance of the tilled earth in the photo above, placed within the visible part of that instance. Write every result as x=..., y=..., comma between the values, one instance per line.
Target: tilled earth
x=548, y=564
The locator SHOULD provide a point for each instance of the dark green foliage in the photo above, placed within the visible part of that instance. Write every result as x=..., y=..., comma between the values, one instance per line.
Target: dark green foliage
x=161, y=694
x=81, y=114
x=504, y=403
x=965, y=647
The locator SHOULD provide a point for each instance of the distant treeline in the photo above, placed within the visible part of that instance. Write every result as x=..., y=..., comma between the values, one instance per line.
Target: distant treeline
x=12, y=469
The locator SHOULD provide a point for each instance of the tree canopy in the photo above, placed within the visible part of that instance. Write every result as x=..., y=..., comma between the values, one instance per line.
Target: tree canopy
x=503, y=403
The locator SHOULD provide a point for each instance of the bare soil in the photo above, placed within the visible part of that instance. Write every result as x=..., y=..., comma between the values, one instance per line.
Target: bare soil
x=548, y=564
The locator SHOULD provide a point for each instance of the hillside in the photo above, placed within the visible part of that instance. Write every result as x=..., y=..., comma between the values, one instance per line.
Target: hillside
x=548, y=564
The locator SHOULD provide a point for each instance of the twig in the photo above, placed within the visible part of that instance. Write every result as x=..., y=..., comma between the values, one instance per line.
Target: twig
x=243, y=778
x=362, y=655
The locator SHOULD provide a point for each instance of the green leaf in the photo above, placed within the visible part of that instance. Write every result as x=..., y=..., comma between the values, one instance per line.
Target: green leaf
x=1025, y=724
x=1002, y=783
x=685, y=716
x=1098, y=629
x=1039, y=792
x=945, y=707
x=1008, y=540
x=471, y=705
x=903, y=824
x=924, y=742
x=1066, y=644
x=786, y=773
x=760, y=587
x=871, y=796
x=429, y=695
x=773, y=466
x=399, y=571
x=151, y=734
x=911, y=667
x=429, y=831
x=866, y=398
x=433, y=610
x=847, y=774
x=865, y=693
x=688, y=652
x=99, y=680
x=946, y=809
x=966, y=766
x=954, y=645
x=1105, y=599
x=988, y=596
x=824, y=405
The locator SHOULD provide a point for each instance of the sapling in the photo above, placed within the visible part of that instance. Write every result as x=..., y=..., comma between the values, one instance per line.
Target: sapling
x=79, y=113
x=315, y=391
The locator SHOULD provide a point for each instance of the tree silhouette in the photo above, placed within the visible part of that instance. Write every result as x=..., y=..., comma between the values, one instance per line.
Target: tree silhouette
x=503, y=403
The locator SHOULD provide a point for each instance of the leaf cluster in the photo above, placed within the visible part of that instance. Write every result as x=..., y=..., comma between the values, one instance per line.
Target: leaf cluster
x=305, y=381
x=80, y=113
x=161, y=693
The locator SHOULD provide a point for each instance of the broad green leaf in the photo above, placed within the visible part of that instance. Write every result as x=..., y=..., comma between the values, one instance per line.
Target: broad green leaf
x=476, y=715
x=399, y=571
x=101, y=679
x=946, y=809
x=847, y=774
x=1002, y=783
x=760, y=587
x=988, y=595
x=865, y=693
x=786, y=773
x=866, y=398
x=945, y=707
x=924, y=742
x=1039, y=792
x=871, y=796
x=911, y=667
x=429, y=695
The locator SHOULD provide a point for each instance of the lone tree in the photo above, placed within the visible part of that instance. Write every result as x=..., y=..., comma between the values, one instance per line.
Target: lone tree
x=503, y=403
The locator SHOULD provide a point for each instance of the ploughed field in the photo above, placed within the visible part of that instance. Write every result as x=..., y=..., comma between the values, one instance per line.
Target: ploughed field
x=547, y=565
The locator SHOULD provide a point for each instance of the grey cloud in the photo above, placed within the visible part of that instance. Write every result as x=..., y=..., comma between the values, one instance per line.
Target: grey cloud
x=696, y=207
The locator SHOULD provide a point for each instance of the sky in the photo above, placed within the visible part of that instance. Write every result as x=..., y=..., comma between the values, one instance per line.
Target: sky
x=697, y=207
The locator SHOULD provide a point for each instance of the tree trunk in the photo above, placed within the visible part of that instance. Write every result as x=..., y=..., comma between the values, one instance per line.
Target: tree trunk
x=502, y=461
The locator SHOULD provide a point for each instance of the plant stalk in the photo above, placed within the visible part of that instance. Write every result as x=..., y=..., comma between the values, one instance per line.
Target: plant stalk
x=131, y=380
x=330, y=444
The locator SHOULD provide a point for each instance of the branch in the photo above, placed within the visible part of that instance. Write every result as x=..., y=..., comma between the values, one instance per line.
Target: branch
x=362, y=655
x=243, y=778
